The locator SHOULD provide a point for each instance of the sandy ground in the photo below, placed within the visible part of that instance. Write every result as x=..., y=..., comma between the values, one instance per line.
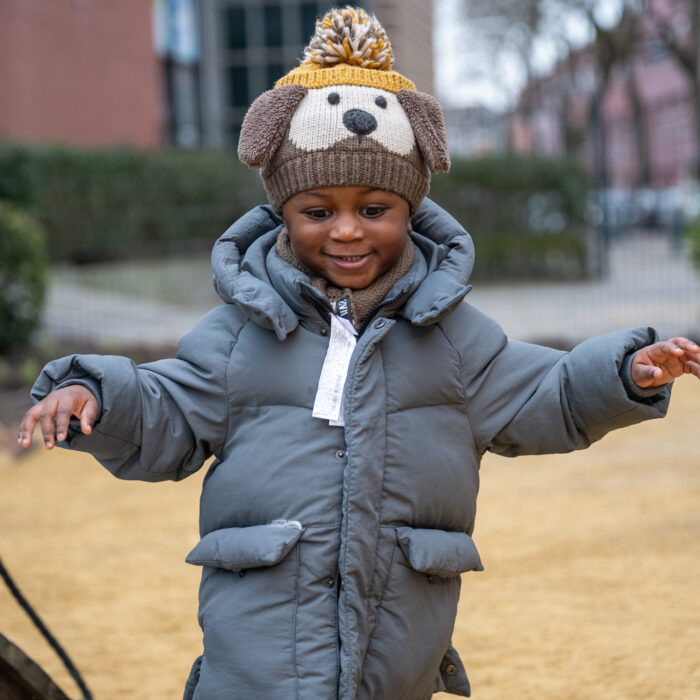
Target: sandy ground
x=591, y=588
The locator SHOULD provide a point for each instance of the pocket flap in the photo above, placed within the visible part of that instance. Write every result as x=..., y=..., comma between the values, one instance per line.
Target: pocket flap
x=238, y=548
x=439, y=552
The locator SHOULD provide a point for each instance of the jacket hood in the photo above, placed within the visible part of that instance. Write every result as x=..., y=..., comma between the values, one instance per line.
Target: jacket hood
x=248, y=272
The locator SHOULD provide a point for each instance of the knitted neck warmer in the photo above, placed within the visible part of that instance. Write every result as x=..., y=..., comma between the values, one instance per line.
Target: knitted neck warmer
x=362, y=301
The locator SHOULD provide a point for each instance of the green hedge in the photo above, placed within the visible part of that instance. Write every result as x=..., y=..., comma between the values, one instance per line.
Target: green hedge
x=525, y=214
x=101, y=204
x=23, y=267
x=692, y=236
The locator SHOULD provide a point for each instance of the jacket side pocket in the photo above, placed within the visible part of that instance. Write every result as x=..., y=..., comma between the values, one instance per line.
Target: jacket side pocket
x=247, y=609
x=439, y=552
x=239, y=548
x=417, y=616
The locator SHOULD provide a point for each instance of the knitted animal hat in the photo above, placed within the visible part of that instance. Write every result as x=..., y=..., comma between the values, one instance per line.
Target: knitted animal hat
x=344, y=117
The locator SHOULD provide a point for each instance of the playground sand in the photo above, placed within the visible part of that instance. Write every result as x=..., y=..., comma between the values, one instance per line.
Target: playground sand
x=591, y=588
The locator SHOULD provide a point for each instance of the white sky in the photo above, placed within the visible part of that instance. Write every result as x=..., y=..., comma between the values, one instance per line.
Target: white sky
x=466, y=75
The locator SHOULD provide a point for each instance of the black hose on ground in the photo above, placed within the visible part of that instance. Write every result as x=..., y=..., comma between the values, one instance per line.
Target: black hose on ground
x=53, y=642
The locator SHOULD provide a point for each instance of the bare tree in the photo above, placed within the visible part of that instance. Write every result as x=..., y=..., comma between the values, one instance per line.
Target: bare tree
x=677, y=24
x=510, y=30
x=615, y=45
x=504, y=33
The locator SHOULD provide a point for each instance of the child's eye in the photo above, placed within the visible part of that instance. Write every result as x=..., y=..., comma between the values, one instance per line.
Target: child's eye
x=318, y=214
x=372, y=212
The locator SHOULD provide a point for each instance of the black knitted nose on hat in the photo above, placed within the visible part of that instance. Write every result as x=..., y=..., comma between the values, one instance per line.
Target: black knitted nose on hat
x=344, y=117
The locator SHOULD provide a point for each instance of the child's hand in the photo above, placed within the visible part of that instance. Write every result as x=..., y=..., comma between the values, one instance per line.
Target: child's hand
x=659, y=363
x=59, y=406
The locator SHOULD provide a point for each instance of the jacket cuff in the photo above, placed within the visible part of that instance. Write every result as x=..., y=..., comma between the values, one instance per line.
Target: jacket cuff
x=636, y=392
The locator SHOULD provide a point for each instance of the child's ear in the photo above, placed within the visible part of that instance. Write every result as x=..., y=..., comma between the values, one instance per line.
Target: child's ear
x=425, y=114
x=266, y=123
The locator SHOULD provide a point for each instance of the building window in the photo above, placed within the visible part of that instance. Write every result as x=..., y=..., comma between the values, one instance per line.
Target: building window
x=259, y=41
x=274, y=72
x=235, y=28
x=309, y=15
x=238, y=86
x=273, y=25
x=233, y=135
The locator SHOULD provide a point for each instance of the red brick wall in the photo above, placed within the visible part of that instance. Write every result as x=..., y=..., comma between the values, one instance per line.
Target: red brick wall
x=80, y=72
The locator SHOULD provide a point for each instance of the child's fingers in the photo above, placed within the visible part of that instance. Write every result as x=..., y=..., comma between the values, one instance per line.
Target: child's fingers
x=667, y=347
x=88, y=416
x=63, y=415
x=54, y=412
x=646, y=375
x=691, y=367
x=692, y=347
x=689, y=348
x=26, y=427
x=49, y=407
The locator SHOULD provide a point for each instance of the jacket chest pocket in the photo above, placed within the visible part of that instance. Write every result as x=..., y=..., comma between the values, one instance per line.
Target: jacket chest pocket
x=247, y=609
x=411, y=641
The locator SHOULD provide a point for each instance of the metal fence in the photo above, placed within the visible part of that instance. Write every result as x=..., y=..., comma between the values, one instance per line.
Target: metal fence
x=647, y=279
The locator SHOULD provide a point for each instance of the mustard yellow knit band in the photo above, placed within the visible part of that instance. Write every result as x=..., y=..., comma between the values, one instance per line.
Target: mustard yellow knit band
x=313, y=75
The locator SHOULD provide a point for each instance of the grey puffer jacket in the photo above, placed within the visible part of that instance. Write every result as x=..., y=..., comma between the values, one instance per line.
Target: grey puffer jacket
x=332, y=556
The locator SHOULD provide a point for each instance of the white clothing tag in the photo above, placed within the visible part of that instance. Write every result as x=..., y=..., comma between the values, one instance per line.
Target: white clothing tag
x=329, y=395
x=346, y=324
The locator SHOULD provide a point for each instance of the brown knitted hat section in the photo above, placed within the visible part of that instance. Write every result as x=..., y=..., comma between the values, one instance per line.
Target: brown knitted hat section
x=266, y=124
x=345, y=168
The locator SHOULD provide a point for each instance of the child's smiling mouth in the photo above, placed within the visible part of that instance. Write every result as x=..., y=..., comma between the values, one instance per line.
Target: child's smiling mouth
x=350, y=261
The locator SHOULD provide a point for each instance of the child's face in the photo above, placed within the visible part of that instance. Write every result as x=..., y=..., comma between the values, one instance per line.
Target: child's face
x=349, y=235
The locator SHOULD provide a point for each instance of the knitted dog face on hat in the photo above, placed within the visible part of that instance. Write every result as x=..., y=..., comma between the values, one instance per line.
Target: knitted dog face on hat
x=343, y=118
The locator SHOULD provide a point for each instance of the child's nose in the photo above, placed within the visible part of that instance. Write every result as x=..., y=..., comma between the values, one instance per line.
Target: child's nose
x=346, y=229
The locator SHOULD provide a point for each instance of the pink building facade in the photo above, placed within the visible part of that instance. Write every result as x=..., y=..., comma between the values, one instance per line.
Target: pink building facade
x=79, y=72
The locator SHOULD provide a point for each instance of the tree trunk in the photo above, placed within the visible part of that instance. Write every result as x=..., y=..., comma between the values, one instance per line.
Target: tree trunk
x=696, y=115
x=639, y=125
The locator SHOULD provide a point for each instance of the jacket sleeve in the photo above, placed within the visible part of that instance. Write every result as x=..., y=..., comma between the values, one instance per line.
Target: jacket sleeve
x=160, y=420
x=528, y=399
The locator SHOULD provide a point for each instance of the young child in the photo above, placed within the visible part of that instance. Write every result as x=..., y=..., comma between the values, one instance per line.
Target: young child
x=347, y=392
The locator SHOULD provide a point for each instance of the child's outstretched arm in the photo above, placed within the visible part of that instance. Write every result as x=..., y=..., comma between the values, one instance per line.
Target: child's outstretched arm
x=660, y=363
x=55, y=412
x=153, y=422
x=527, y=399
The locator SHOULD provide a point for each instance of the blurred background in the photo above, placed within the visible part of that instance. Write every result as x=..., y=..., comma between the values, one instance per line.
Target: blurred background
x=574, y=128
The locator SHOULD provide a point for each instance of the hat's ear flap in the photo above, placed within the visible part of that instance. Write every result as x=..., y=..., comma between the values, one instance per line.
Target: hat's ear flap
x=425, y=114
x=266, y=123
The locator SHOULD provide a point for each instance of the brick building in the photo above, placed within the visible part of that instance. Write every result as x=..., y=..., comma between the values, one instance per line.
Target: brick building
x=147, y=73
x=80, y=72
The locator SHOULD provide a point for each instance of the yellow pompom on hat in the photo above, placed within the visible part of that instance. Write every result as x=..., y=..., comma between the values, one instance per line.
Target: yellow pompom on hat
x=345, y=45
x=344, y=117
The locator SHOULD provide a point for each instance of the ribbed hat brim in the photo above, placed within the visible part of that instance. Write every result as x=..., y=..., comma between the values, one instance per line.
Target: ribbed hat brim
x=341, y=168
